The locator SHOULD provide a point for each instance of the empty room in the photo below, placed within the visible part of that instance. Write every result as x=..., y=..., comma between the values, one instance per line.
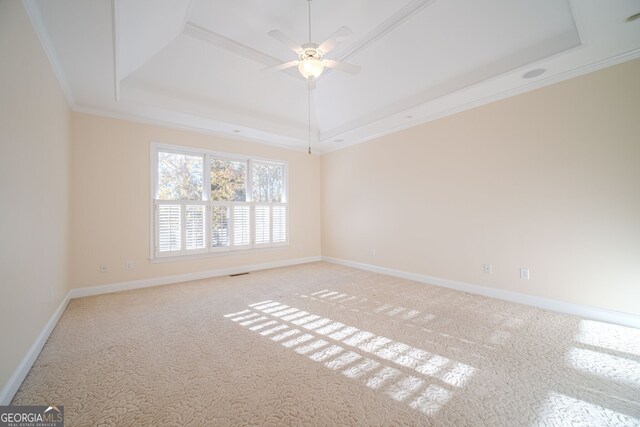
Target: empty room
x=320, y=212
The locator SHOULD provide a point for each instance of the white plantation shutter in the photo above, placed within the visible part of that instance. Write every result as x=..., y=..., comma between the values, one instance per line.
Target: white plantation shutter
x=241, y=225
x=204, y=202
x=279, y=224
x=169, y=230
x=263, y=224
x=194, y=223
x=220, y=226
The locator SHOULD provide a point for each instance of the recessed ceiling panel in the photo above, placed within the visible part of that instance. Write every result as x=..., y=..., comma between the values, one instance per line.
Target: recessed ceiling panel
x=196, y=63
x=448, y=45
x=199, y=73
x=144, y=28
x=249, y=21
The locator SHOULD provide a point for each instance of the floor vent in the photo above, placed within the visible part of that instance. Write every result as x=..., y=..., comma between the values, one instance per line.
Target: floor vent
x=238, y=274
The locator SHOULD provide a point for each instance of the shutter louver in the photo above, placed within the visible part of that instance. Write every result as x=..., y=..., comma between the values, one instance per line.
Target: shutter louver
x=169, y=228
x=194, y=222
x=219, y=226
x=262, y=224
x=241, y=225
x=279, y=224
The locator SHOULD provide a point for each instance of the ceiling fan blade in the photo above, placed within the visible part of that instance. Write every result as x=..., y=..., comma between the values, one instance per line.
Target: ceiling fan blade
x=336, y=38
x=286, y=40
x=282, y=66
x=341, y=66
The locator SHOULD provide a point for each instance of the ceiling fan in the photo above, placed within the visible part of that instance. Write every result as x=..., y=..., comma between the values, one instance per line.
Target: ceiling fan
x=311, y=61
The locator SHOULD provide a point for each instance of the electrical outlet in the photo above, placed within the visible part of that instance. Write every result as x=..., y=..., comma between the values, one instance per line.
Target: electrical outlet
x=488, y=269
x=524, y=273
x=129, y=265
x=104, y=268
x=372, y=252
x=50, y=294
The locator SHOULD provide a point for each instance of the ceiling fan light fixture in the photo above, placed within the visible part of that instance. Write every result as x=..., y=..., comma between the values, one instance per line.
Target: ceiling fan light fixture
x=311, y=67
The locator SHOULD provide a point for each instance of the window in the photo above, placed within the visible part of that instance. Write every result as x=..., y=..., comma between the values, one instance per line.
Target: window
x=243, y=208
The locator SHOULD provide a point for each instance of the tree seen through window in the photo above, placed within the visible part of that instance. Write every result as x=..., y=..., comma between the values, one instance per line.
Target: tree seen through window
x=268, y=182
x=179, y=176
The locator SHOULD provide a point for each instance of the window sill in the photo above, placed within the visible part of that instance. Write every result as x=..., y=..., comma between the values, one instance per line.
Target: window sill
x=216, y=254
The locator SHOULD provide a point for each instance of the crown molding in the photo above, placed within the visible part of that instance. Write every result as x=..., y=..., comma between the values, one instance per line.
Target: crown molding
x=218, y=40
x=578, y=21
x=174, y=125
x=222, y=42
x=187, y=13
x=542, y=51
x=323, y=146
x=411, y=9
x=576, y=72
x=425, y=107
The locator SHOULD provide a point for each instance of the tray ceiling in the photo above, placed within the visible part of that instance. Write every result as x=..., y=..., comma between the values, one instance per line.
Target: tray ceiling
x=197, y=63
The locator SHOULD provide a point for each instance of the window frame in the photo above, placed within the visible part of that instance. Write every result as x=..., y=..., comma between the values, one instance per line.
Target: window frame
x=208, y=251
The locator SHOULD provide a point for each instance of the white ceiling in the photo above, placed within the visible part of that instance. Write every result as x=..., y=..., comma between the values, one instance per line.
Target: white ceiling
x=197, y=64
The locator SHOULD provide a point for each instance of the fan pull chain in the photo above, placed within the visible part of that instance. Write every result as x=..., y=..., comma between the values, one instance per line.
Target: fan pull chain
x=309, y=1
x=309, y=119
x=309, y=81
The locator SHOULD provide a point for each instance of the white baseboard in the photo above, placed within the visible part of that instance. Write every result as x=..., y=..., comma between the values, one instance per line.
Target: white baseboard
x=12, y=386
x=166, y=280
x=619, y=318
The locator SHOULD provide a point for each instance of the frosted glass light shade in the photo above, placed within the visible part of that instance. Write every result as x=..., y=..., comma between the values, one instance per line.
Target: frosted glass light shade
x=311, y=67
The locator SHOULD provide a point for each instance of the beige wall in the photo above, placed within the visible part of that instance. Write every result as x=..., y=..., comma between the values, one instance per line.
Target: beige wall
x=34, y=188
x=548, y=180
x=110, y=201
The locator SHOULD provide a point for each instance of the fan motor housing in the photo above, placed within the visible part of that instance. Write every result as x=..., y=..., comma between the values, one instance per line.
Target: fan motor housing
x=310, y=50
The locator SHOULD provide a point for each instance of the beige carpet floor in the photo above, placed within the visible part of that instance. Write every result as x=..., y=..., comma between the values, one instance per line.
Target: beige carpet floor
x=321, y=344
